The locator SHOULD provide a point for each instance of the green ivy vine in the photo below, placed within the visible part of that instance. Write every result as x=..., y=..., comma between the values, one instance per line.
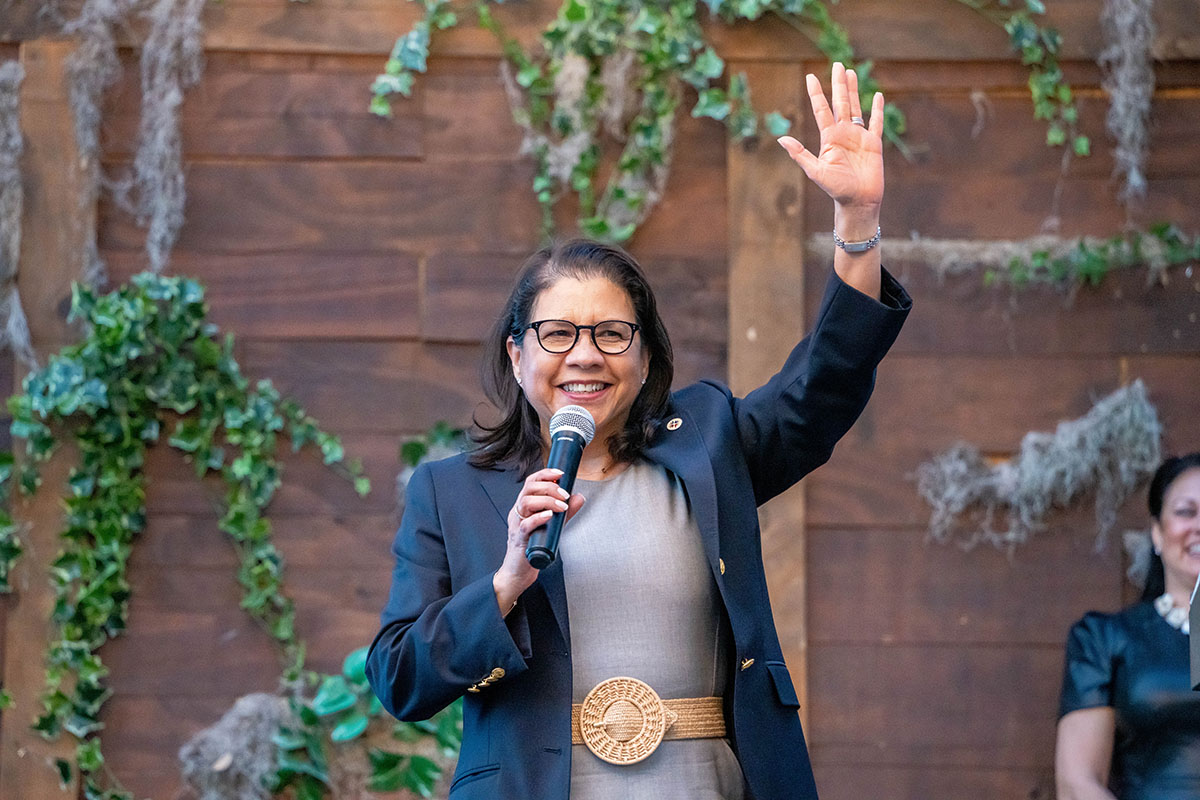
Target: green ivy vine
x=1089, y=261
x=344, y=712
x=149, y=365
x=622, y=67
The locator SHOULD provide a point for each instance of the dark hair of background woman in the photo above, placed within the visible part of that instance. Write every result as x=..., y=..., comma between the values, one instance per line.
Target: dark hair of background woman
x=1168, y=471
x=517, y=438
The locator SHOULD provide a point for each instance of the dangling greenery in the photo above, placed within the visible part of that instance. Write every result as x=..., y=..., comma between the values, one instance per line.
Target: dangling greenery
x=149, y=364
x=344, y=713
x=1088, y=260
x=621, y=67
x=1053, y=100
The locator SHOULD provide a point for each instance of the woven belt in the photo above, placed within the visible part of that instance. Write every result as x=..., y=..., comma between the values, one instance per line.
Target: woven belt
x=622, y=720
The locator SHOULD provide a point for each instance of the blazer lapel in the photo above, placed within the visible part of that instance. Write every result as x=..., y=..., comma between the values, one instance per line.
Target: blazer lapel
x=683, y=451
x=502, y=488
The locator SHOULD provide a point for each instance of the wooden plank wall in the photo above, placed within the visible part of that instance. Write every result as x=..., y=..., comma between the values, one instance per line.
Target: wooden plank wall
x=359, y=261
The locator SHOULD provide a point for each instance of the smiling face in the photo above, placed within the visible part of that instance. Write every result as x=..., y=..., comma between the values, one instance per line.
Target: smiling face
x=606, y=385
x=1176, y=533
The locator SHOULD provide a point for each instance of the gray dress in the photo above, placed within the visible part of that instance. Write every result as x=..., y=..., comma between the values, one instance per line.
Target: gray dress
x=642, y=603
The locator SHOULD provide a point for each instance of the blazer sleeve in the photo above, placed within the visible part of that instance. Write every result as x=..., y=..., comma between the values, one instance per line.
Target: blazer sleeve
x=436, y=639
x=789, y=426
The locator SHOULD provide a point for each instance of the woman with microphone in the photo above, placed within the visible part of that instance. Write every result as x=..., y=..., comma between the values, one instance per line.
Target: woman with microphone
x=643, y=662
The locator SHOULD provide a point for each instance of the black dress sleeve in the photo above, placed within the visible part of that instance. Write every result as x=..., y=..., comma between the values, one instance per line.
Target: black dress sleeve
x=1090, y=659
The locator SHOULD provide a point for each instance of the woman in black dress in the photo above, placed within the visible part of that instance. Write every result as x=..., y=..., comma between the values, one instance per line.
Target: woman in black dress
x=1129, y=723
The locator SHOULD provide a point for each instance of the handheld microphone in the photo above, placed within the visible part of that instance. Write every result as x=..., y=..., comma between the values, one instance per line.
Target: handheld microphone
x=571, y=429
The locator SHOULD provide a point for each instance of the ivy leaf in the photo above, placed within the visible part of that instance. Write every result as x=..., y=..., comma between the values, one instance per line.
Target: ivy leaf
x=350, y=727
x=387, y=770
x=1035, y=6
x=1082, y=145
x=777, y=124
x=333, y=696
x=354, y=667
x=713, y=103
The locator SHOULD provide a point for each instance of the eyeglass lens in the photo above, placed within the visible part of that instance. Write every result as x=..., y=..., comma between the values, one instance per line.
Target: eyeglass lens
x=559, y=335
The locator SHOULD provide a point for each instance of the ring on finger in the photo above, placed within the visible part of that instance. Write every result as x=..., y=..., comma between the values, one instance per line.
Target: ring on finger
x=858, y=121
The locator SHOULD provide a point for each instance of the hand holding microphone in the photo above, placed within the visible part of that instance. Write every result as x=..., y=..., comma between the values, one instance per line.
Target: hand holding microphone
x=542, y=506
x=571, y=430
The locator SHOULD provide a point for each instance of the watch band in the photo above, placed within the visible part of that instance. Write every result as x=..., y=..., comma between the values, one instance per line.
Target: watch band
x=857, y=247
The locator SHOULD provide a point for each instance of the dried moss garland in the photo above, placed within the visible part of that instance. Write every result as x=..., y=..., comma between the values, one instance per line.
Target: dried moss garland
x=91, y=70
x=1042, y=259
x=14, y=328
x=1129, y=80
x=172, y=61
x=1108, y=451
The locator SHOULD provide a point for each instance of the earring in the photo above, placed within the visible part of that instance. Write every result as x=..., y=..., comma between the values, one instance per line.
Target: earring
x=518, y=377
x=643, y=381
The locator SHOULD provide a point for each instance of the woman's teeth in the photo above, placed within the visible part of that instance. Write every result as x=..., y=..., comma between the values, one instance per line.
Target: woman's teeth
x=582, y=388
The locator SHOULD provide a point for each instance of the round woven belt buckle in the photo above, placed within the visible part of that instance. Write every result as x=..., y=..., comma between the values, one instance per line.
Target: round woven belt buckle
x=623, y=720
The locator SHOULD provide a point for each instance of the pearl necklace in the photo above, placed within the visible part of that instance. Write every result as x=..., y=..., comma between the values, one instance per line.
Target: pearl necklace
x=1174, y=616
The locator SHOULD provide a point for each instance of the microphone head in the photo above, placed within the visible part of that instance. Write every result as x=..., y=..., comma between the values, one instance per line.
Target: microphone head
x=574, y=418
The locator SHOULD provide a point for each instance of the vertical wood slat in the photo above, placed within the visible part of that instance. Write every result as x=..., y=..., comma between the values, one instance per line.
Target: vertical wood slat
x=766, y=318
x=52, y=237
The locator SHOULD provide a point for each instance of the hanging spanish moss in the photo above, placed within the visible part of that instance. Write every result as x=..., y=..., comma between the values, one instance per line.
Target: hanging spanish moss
x=1039, y=258
x=233, y=759
x=172, y=61
x=1108, y=452
x=92, y=69
x=1129, y=81
x=14, y=328
x=1138, y=548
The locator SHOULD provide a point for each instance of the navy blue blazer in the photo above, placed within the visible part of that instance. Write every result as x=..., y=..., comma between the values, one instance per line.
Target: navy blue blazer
x=442, y=634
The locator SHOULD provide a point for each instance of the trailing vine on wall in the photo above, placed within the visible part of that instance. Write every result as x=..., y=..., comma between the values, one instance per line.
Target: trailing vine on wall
x=1067, y=263
x=621, y=68
x=149, y=367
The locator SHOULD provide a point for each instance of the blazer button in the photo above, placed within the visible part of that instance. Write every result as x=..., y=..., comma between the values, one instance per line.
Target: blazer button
x=473, y=689
x=721, y=564
x=746, y=662
x=497, y=674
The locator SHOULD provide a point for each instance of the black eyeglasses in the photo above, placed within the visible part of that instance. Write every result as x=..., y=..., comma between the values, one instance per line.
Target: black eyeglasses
x=612, y=336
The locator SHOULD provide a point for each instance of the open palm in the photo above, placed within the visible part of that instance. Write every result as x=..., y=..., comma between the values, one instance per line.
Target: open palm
x=849, y=164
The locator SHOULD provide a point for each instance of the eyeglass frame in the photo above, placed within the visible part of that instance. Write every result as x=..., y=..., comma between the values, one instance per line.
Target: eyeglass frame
x=591, y=329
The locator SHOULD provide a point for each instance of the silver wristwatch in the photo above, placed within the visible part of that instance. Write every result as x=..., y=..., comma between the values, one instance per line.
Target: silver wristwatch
x=857, y=247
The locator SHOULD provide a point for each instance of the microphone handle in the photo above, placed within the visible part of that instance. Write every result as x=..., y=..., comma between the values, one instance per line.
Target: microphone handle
x=566, y=450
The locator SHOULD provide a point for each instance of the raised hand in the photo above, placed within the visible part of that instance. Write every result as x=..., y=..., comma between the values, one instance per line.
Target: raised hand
x=849, y=165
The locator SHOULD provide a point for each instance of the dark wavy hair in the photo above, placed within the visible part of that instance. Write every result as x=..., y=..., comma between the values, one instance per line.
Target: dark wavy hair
x=517, y=438
x=1164, y=476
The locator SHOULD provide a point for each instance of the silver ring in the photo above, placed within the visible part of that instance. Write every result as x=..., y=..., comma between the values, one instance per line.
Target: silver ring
x=858, y=121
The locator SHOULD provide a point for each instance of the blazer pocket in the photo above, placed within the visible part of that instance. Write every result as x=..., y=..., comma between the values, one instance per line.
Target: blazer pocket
x=784, y=690
x=474, y=776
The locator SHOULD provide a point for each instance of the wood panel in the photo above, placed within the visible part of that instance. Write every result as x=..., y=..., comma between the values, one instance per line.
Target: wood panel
x=915, y=782
x=347, y=540
x=909, y=590
x=956, y=706
x=1124, y=315
x=337, y=207
x=283, y=106
x=299, y=294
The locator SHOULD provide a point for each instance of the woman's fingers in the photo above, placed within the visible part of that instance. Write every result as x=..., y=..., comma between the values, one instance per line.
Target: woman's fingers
x=800, y=154
x=852, y=94
x=876, y=125
x=840, y=92
x=820, y=106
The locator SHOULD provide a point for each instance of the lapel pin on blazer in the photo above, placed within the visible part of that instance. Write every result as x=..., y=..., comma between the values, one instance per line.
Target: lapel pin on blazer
x=674, y=423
